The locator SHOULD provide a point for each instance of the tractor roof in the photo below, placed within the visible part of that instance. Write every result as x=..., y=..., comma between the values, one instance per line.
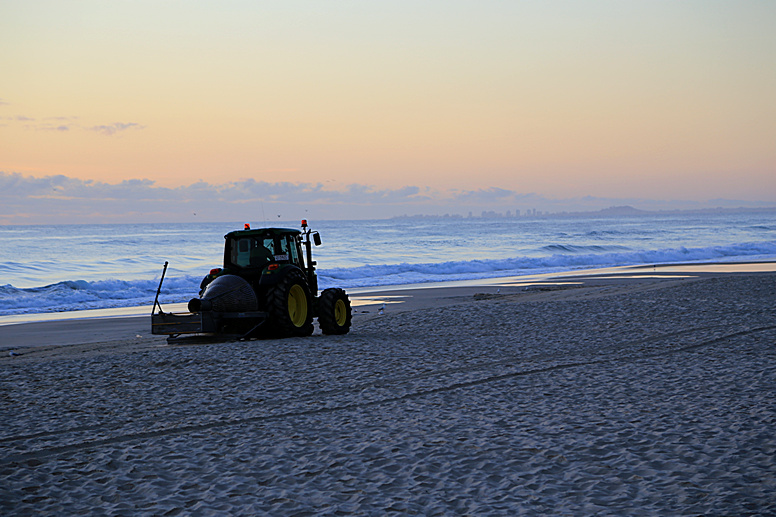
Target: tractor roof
x=262, y=231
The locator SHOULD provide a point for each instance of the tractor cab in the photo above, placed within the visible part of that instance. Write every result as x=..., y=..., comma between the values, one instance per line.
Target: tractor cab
x=257, y=249
x=261, y=255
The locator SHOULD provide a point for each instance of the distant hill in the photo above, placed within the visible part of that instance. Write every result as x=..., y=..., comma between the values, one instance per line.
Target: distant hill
x=621, y=211
x=629, y=211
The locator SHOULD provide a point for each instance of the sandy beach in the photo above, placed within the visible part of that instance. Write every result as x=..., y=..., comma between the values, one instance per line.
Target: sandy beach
x=644, y=394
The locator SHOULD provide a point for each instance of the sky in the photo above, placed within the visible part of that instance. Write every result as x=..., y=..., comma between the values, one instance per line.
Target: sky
x=147, y=110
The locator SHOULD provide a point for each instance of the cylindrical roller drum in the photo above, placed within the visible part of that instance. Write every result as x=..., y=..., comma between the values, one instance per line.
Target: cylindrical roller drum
x=226, y=293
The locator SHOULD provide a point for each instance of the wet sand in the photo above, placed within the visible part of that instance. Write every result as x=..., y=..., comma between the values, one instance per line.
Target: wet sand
x=582, y=396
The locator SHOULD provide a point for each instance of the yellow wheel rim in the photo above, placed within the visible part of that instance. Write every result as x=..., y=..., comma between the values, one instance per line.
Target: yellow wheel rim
x=340, y=312
x=297, y=305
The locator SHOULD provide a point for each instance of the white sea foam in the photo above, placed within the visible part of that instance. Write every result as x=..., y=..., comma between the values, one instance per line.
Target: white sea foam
x=81, y=294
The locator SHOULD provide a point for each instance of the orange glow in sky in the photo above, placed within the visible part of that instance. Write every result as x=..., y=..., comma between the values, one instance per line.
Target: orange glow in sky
x=656, y=99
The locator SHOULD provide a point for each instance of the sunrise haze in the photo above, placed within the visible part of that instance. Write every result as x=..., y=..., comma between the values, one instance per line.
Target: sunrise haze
x=416, y=104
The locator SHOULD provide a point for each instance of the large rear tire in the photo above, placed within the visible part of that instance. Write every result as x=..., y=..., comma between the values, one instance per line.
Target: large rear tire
x=334, y=312
x=289, y=305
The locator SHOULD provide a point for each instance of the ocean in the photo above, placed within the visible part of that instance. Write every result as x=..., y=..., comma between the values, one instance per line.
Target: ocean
x=56, y=268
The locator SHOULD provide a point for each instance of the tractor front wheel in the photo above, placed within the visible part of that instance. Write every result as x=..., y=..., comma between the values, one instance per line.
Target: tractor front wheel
x=334, y=313
x=288, y=304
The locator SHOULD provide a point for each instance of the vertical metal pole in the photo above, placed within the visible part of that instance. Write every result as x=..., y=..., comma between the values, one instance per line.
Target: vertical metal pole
x=156, y=300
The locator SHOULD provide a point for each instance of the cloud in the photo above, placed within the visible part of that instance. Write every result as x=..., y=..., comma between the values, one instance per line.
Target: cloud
x=65, y=200
x=486, y=195
x=38, y=126
x=114, y=128
x=63, y=124
x=141, y=199
x=367, y=195
x=59, y=124
x=4, y=103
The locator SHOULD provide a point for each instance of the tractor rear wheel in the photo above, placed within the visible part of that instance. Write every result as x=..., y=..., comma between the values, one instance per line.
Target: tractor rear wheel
x=334, y=313
x=289, y=304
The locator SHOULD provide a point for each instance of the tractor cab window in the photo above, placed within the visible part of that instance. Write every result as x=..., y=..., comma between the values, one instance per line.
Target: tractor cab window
x=296, y=251
x=251, y=251
x=287, y=249
x=263, y=252
x=241, y=252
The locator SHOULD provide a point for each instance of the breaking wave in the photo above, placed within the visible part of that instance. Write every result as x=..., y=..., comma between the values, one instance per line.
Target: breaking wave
x=101, y=294
x=377, y=275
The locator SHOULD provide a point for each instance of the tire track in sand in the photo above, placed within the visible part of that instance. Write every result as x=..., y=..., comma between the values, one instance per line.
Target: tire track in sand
x=51, y=451
x=357, y=388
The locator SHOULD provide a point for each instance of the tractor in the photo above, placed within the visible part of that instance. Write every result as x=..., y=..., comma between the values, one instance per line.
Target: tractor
x=267, y=287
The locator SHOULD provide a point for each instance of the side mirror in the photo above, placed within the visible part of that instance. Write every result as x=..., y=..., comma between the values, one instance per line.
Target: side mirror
x=317, y=238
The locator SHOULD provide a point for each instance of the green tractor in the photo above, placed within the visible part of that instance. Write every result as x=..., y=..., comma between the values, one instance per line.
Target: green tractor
x=267, y=287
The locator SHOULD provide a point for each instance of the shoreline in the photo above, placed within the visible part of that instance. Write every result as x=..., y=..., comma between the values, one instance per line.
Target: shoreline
x=106, y=325
x=360, y=293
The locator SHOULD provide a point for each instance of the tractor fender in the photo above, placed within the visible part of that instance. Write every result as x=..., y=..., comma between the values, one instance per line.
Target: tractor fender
x=273, y=276
x=214, y=273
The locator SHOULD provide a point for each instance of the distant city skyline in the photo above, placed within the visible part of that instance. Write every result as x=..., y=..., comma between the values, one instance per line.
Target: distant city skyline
x=364, y=109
